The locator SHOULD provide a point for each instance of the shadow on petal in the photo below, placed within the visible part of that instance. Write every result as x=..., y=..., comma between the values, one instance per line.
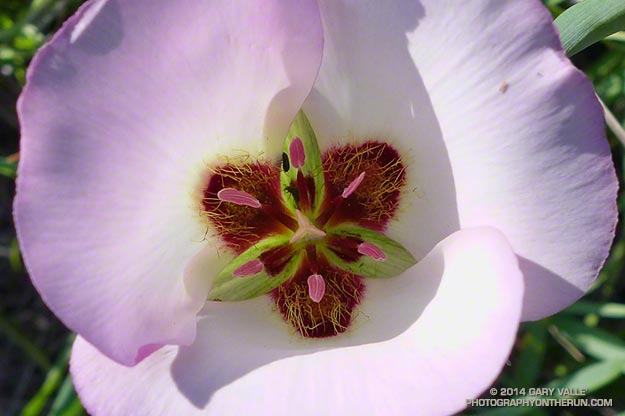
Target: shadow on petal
x=96, y=29
x=237, y=338
x=57, y=69
x=538, y=279
x=101, y=17
x=444, y=328
x=280, y=109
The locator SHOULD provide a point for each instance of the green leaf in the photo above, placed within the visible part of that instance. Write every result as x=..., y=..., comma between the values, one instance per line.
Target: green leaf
x=398, y=259
x=604, y=310
x=617, y=37
x=589, y=22
x=591, y=377
x=66, y=402
x=312, y=167
x=595, y=342
x=232, y=288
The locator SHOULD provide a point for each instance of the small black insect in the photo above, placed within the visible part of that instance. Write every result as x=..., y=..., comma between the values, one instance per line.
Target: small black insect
x=285, y=162
x=293, y=191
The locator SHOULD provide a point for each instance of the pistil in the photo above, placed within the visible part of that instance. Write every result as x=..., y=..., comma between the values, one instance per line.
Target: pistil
x=336, y=203
x=306, y=229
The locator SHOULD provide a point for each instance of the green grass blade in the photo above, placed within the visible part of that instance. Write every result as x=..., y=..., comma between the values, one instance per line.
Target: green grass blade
x=53, y=380
x=591, y=377
x=589, y=22
x=595, y=342
x=604, y=310
x=66, y=402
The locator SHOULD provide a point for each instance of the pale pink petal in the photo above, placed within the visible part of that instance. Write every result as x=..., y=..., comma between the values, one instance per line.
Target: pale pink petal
x=495, y=125
x=122, y=114
x=424, y=343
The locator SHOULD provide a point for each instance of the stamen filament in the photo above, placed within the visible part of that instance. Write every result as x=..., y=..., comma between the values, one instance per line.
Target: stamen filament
x=311, y=253
x=302, y=189
x=328, y=212
x=281, y=216
x=337, y=202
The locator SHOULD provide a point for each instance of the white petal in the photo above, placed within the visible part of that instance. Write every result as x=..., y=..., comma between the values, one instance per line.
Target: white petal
x=424, y=343
x=122, y=114
x=496, y=126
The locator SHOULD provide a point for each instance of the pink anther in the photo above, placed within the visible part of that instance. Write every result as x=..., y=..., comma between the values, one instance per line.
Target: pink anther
x=296, y=151
x=249, y=269
x=316, y=287
x=353, y=186
x=371, y=250
x=238, y=197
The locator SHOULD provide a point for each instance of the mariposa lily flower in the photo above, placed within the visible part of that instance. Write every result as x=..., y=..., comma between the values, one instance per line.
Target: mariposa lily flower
x=302, y=207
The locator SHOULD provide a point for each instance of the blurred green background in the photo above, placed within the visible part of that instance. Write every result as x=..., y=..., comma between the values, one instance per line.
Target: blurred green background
x=582, y=347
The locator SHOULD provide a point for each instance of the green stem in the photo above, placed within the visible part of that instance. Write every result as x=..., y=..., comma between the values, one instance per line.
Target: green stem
x=613, y=124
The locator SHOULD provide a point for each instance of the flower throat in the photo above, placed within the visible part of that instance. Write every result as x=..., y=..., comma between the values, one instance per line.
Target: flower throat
x=308, y=229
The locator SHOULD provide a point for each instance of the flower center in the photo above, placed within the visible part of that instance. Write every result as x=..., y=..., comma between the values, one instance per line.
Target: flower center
x=308, y=229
